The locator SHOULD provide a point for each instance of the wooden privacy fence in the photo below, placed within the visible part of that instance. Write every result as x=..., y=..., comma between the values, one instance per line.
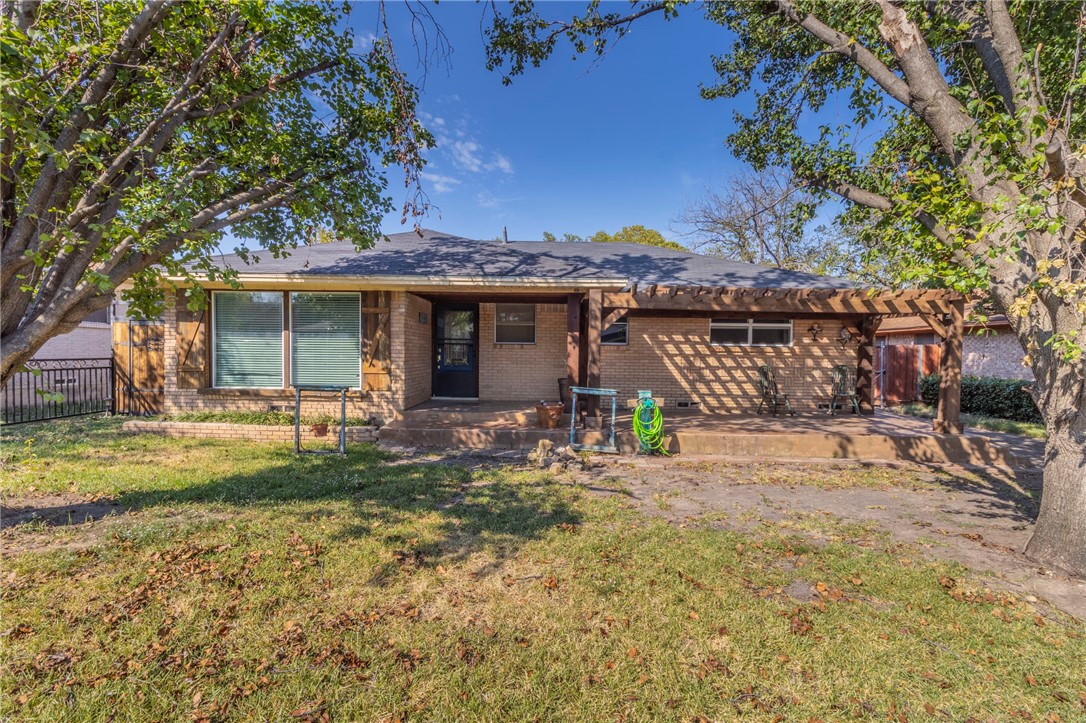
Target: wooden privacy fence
x=138, y=367
x=899, y=368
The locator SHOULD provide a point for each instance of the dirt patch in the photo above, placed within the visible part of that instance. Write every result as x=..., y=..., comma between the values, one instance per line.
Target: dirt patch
x=980, y=519
x=43, y=522
x=56, y=510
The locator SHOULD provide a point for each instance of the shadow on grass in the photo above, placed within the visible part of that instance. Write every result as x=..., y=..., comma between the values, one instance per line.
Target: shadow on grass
x=453, y=510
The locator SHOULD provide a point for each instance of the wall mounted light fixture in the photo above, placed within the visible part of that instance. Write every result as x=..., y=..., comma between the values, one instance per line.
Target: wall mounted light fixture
x=814, y=330
x=845, y=336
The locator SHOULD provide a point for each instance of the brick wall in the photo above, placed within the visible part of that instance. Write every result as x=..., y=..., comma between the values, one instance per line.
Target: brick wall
x=385, y=405
x=994, y=355
x=248, y=432
x=523, y=372
x=984, y=354
x=89, y=340
x=418, y=350
x=673, y=358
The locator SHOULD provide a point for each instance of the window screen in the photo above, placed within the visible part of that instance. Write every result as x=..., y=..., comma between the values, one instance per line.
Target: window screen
x=326, y=339
x=248, y=339
x=514, y=323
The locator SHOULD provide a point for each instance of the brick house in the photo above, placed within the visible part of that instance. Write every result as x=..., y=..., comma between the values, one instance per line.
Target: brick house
x=431, y=315
x=989, y=347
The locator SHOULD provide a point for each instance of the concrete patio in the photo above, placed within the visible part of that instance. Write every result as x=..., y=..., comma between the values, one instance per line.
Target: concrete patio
x=883, y=436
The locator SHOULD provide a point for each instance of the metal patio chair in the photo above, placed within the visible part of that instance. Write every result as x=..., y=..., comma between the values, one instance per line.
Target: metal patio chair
x=844, y=387
x=771, y=393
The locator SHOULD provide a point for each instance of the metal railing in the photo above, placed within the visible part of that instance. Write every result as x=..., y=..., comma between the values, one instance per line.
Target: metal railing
x=57, y=388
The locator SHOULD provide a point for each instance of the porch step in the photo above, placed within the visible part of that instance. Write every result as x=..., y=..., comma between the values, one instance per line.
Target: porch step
x=510, y=417
x=490, y=436
x=928, y=448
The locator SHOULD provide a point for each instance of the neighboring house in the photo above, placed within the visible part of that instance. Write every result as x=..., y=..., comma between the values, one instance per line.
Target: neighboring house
x=92, y=339
x=440, y=316
x=990, y=348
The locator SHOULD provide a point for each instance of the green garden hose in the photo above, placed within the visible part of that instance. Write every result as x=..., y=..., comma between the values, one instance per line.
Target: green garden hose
x=648, y=423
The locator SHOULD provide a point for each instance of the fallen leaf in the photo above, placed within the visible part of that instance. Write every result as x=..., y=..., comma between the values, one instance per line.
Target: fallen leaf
x=631, y=653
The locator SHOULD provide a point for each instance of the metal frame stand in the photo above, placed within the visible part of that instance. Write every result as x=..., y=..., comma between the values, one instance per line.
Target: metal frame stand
x=342, y=451
x=610, y=448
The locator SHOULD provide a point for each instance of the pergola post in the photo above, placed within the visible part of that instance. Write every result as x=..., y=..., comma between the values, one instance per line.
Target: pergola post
x=595, y=331
x=948, y=416
x=865, y=364
x=573, y=343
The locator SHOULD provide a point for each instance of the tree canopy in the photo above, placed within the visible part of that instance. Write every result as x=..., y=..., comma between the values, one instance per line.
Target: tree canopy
x=134, y=135
x=635, y=234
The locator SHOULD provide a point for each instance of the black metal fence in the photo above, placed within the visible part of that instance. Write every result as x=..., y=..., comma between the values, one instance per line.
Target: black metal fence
x=56, y=388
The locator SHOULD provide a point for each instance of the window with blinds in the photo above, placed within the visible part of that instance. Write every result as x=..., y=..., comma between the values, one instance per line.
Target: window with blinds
x=248, y=339
x=326, y=339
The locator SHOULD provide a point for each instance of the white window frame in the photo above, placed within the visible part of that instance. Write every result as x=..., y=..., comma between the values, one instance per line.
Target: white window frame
x=211, y=325
x=535, y=322
x=624, y=320
x=750, y=325
x=361, y=332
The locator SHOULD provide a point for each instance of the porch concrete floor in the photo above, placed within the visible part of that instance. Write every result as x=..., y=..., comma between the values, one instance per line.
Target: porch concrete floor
x=882, y=436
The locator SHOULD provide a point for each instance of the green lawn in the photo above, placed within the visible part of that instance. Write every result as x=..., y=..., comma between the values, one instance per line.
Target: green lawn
x=248, y=583
x=1032, y=430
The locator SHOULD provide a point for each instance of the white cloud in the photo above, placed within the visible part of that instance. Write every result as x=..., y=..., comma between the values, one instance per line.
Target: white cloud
x=364, y=43
x=465, y=155
x=501, y=163
x=486, y=199
x=440, y=183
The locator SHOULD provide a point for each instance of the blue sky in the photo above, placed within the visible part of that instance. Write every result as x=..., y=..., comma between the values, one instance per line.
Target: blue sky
x=573, y=146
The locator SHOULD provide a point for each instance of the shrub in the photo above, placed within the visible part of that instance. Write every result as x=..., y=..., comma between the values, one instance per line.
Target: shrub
x=990, y=396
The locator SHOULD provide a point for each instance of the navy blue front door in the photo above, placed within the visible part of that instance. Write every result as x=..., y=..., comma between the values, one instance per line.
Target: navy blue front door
x=456, y=333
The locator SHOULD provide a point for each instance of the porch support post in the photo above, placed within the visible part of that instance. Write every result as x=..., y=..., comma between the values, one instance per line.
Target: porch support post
x=573, y=342
x=865, y=364
x=948, y=416
x=595, y=323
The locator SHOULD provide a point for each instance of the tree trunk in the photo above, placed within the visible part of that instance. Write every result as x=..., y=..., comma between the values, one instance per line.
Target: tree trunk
x=1059, y=537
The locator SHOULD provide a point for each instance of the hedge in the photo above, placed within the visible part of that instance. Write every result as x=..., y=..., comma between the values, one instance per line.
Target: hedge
x=990, y=396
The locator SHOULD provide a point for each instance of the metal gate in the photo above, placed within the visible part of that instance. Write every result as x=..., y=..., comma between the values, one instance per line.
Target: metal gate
x=57, y=388
x=138, y=367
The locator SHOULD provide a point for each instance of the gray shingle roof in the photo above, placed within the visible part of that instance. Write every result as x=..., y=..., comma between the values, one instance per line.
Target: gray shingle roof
x=436, y=255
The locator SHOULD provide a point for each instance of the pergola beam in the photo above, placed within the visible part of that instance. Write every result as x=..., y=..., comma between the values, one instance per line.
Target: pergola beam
x=925, y=302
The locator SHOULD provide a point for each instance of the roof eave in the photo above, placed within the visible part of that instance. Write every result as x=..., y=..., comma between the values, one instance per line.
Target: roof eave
x=416, y=281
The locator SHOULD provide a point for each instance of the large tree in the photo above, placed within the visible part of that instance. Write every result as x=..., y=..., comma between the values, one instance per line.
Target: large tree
x=977, y=169
x=135, y=134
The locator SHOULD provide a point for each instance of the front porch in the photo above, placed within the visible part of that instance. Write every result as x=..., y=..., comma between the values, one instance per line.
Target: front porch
x=882, y=436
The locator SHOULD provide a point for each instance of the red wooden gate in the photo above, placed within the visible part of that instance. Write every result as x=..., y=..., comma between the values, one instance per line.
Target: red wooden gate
x=899, y=369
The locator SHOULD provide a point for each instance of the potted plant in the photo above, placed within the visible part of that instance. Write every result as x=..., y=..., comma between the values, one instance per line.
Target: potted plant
x=549, y=414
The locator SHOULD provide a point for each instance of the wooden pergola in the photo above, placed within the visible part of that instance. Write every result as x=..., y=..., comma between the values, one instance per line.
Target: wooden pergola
x=861, y=311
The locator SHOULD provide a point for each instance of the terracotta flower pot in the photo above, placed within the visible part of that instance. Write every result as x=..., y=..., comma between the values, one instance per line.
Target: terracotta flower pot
x=319, y=430
x=549, y=414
